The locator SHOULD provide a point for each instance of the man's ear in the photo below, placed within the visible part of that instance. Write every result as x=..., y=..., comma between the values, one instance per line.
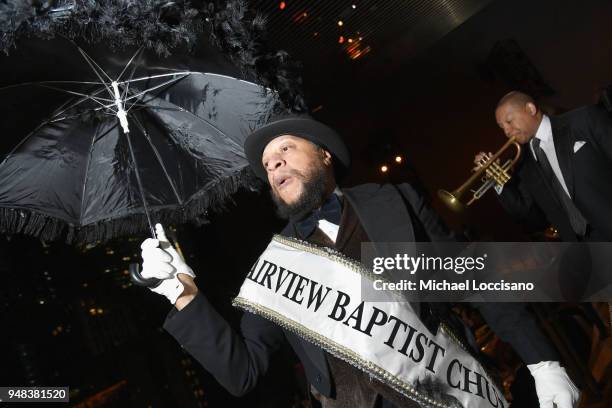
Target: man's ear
x=531, y=108
x=327, y=157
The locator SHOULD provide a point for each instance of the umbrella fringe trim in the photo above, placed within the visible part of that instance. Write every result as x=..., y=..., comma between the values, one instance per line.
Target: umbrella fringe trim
x=48, y=228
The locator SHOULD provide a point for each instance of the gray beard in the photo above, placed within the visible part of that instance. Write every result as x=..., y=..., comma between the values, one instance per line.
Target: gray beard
x=311, y=198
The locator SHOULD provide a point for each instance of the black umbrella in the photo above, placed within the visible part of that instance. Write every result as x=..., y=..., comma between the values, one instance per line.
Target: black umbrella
x=127, y=141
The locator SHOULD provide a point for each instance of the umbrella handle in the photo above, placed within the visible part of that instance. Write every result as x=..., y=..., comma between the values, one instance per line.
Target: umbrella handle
x=139, y=280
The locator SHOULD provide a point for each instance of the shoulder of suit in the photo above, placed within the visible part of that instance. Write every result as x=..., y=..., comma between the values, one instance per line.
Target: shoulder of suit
x=578, y=115
x=579, y=122
x=366, y=187
x=364, y=191
x=373, y=187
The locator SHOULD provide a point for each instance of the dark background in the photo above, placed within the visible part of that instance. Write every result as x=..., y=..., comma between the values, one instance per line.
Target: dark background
x=425, y=90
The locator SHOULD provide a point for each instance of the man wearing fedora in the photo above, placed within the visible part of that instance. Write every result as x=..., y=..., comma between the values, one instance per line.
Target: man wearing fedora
x=302, y=159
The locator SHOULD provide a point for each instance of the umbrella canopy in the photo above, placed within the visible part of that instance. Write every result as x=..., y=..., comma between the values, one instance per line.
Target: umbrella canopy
x=119, y=139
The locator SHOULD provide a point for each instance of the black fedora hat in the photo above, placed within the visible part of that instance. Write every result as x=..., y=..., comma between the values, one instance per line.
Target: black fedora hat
x=301, y=126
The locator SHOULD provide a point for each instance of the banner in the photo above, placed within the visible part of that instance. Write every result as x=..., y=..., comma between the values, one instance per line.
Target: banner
x=316, y=293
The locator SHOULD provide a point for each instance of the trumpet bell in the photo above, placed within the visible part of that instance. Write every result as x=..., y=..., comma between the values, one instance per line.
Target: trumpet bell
x=451, y=200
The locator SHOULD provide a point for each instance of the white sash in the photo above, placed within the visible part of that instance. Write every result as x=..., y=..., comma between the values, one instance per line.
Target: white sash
x=316, y=293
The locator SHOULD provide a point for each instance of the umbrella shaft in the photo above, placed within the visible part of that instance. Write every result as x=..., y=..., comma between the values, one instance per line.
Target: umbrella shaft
x=121, y=113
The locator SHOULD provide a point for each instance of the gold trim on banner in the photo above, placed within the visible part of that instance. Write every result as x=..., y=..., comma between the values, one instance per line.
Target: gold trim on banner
x=334, y=256
x=340, y=351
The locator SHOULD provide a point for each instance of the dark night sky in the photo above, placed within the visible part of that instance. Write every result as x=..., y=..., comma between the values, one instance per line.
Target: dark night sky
x=438, y=106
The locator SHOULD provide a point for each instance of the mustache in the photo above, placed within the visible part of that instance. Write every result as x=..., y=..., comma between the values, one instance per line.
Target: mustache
x=296, y=173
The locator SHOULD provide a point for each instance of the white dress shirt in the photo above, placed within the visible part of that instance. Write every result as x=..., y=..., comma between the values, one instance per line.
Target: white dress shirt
x=330, y=229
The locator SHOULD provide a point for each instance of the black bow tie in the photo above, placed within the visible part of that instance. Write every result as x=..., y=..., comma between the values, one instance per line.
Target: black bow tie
x=330, y=211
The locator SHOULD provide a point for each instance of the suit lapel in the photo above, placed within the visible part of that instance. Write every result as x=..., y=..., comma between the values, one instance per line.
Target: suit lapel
x=563, y=149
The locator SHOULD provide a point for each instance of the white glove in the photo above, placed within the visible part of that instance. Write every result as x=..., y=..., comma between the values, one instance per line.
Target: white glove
x=553, y=385
x=160, y=260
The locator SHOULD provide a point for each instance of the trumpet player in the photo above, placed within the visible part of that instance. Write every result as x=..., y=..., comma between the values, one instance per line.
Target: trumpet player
x=565, y=175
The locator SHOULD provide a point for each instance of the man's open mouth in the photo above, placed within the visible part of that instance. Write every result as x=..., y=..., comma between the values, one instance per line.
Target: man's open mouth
x=283, y=181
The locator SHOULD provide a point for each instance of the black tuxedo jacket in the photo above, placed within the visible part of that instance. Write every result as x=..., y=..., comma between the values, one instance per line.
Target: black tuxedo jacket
x=587, y=173
x=388, y=214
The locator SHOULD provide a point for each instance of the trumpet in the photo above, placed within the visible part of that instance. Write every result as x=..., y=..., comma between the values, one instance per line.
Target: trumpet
x=491, y=174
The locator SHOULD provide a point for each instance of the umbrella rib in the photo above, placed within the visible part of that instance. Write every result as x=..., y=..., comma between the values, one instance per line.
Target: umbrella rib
x=127, y=84
x=153, y=96
x=91, y=64
x=76, y=103
x=144, y=105
x=93, y=140
x=110, y=129
x=155, y=87
x=95, y=99
x=76, y=116
x=128, y=64
x=144, y=92
x=50, y=82
x=139, y=182
x=157, y=156
x=185, y=73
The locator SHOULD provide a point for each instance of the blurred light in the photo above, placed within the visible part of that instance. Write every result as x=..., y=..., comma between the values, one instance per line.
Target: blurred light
x=42, y=302
x=282, y=5
x=109, y=252
x=316, y=34
x=340, y=23
x=126, y=258
x=300, y=17
x=92, y=311
x=357, y=52
x=398, y=159
x=341, y=39
x=85, y=285
x=126, y=272
x=384, y=168
x=100, y=311
x=354, y=6
x=350, y=40
x=360, y=38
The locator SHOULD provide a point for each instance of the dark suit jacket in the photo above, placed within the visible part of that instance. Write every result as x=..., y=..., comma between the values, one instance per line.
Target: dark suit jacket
x=587, y=173
x=388, y=214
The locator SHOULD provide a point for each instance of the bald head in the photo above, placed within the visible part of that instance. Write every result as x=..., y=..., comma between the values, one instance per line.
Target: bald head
x=515, y=98
x=518, y=115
